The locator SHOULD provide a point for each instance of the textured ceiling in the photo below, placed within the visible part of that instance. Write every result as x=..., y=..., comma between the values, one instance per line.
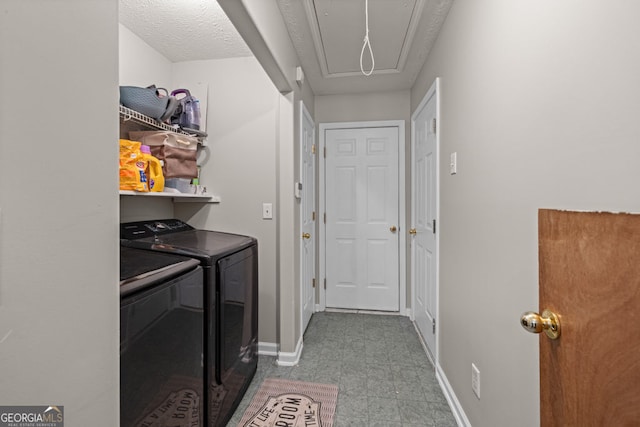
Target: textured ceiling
x=327, y=35
x=183, y=30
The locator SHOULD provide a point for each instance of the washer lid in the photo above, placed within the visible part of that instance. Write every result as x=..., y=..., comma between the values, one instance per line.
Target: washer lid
x=176, y=237
x=142, y=268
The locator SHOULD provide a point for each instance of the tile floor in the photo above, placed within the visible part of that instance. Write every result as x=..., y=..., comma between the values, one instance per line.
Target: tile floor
x=379, y=365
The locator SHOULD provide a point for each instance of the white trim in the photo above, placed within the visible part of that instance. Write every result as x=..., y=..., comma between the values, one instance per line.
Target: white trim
x=357, y=311
x=304, y=113
x=267, y=349
x=322, y=277
x=452, y=399
x=290, y=359
x=445, y=386
x=434, y=90
x=402, y=252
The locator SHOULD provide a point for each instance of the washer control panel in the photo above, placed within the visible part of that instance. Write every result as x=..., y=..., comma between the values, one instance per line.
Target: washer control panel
x=143, y=229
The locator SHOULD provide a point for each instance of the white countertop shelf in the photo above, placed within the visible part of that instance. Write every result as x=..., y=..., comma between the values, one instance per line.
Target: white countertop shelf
x=177, y=197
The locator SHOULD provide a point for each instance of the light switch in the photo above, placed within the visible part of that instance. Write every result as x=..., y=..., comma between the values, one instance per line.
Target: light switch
x=267, y=211
x=453, y=164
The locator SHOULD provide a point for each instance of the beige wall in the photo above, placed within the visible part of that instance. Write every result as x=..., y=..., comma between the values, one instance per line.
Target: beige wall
x=241, y=165
x=59, y=299
x=140, y=64
x=540, y=101
x=261, y=26
x=363, y=107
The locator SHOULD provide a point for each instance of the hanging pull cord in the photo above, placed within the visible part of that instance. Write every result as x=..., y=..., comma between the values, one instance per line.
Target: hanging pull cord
x=366, y=42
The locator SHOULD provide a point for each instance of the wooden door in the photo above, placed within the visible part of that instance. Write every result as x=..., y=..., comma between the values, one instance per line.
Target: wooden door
x=362, y=267
x=590, y=276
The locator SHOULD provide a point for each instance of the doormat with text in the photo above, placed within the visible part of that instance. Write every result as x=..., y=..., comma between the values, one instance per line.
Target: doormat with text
x=177, y=403
x=292, y=403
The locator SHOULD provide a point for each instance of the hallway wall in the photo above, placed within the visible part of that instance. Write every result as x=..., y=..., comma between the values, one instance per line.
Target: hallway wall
x=363, y=107
x=241, y=164
x=540, y=101
x=262, y=28
x=59, y=297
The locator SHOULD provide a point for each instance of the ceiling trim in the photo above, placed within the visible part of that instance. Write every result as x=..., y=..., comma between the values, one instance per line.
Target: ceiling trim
x=411, y=34
x=314, y=26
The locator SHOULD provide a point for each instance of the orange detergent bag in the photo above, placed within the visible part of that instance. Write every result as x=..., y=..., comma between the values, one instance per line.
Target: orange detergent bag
x=133, y=165
x=154, y=170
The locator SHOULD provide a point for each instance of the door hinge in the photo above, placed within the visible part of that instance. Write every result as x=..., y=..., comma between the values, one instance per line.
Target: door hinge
x=313, y=282
x=434, y=226
x=313, y=216
x=433, y=323
x=324, y=219
x=325, y=283
x=313, y=149
x=434, y=125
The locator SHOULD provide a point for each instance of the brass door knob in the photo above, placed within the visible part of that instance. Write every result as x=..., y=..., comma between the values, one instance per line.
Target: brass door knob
x=393, y=229
x=549, y=322
x=306, y=235
x=413, y=231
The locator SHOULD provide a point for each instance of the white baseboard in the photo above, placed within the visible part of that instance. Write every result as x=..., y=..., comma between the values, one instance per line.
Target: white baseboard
x=290, y=359
x=357, y=311
x=454, y=403
x=267, y=349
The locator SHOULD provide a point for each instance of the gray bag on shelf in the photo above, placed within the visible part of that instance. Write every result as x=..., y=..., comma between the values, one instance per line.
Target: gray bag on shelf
x=149, y=101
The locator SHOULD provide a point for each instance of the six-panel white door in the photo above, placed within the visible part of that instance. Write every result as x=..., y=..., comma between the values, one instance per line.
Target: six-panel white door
x=307, y=216
x=362, y=218
x=423, y=219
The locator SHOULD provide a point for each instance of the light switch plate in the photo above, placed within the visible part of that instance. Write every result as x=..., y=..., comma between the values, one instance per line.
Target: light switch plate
x=267, y=211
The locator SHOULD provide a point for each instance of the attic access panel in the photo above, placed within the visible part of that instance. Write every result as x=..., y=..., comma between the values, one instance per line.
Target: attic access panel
x=338, y=29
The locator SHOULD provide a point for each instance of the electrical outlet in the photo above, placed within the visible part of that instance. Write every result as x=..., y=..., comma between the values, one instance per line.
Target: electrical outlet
x=475, y=380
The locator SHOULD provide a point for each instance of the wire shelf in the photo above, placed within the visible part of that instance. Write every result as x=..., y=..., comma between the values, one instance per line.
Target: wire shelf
x=127, y=114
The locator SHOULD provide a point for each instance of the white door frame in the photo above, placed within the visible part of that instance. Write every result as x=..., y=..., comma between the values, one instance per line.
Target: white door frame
x=433, y=90
x=305, y=113
x=402, y=231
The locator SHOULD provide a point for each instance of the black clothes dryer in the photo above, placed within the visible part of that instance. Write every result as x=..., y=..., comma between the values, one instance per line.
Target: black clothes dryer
x=161, y=339
x=230, y=274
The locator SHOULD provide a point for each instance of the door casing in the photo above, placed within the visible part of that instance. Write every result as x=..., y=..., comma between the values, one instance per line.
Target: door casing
x=402, y=230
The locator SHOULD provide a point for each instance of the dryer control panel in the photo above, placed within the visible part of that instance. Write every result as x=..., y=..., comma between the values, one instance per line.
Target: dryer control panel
x=143, y=229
